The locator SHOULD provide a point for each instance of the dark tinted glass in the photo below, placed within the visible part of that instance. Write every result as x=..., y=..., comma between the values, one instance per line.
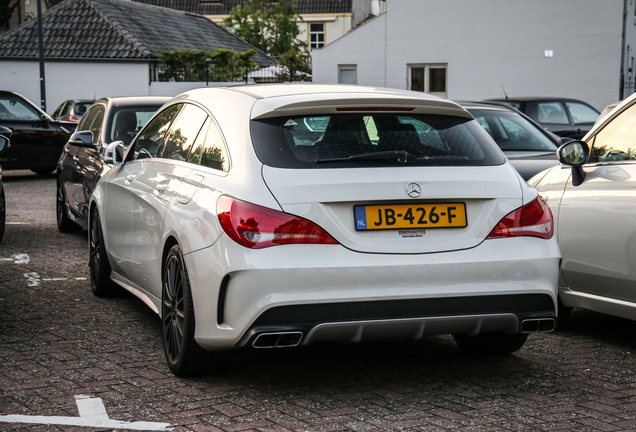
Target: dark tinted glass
x=85, y=123
x=97, y=125
x=183, y=133
x=151, y=137
x=363, y=140
x=512, y=132
x=214, y=154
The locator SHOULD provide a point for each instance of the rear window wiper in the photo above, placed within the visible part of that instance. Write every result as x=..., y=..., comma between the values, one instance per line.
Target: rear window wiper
x=397, y=155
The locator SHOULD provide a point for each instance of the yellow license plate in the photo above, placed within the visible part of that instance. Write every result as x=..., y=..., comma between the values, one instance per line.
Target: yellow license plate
x=445, y=215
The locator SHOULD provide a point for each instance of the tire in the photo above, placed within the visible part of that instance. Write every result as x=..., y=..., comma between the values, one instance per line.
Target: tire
x=184, y=356
x=3, y=212
x=64, y=223
x=491, y=344
x=101, y=285
x=44, y=171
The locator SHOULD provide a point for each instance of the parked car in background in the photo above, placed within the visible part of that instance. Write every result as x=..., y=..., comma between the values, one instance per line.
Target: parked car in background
x=569, y=118
x=82, y=163
x=37, y=140
x=72, y=110
x=5, y=137
x=278, y=215
x=528, y=147
x=599, y=262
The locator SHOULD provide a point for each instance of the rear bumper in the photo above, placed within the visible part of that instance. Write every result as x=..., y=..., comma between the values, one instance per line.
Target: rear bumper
x=332, y=293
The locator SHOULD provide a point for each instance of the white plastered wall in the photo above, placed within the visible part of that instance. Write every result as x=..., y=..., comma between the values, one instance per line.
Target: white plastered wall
x=71, y=80
x=488, y=44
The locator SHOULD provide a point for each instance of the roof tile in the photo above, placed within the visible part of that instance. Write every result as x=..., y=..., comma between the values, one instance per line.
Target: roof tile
x=118, y=29
x=223, y=7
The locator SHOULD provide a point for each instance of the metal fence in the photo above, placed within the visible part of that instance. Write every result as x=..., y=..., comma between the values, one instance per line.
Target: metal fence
x=211, y=73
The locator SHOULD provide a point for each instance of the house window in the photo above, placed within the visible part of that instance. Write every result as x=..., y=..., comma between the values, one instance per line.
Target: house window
x=428, y=78
x=316, y=35
x=347, y=74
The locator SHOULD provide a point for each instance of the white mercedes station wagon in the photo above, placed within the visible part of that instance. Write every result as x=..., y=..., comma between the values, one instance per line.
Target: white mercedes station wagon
x=272, y=216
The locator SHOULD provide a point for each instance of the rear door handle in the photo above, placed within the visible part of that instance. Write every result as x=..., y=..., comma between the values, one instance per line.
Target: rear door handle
x=161, y=187
x=130, y=178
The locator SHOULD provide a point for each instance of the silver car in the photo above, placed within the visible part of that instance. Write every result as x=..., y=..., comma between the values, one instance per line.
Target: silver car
x=592, y=195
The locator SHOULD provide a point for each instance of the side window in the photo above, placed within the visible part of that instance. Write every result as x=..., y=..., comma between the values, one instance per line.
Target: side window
x=86, y=121
x=197, y=148
x=96, y=127
x=57, y=112
x=151, y=137
x=552, y=113
x=183, y=133
x=582, y=114
x=12, y=108
x=617, y=140
x=214, y=154
x=67, y=109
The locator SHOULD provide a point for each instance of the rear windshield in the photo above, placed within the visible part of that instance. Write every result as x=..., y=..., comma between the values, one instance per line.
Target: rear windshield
x=362, y=140
x=512, y=132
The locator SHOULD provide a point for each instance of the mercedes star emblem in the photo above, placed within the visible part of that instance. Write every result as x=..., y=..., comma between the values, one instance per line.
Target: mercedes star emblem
x=413, y=190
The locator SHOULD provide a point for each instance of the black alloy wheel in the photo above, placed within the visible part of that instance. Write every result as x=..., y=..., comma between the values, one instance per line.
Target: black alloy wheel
x=183, y=355
x=101, y=285
x=491, y=344
x=64, y=223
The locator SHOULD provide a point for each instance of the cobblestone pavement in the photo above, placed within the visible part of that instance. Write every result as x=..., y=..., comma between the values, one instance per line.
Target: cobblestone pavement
x=58, y=341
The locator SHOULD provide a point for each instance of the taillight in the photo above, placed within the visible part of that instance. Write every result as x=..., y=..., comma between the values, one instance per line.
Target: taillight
x=73, y=118
x=532, y=220
x=257, y=227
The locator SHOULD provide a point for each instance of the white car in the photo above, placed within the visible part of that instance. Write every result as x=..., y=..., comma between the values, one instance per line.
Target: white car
x=280, y=215
x=592, y=196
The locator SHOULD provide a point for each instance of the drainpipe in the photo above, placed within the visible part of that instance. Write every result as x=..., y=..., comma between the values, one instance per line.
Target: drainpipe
x=621, y=90
x=41, y=49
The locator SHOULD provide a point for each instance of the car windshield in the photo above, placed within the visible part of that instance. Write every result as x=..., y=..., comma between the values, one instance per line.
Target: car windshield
x=362, y=140
x=512, y=132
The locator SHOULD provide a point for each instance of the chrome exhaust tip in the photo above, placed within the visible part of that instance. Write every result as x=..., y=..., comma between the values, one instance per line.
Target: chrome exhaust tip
x=538, y=325
x=278, y=340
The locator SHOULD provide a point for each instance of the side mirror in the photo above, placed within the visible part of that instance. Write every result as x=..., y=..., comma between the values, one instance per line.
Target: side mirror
x=114, y=153
x=575, y=154
x=45, y=121
x=4, y=143
x=82, y=139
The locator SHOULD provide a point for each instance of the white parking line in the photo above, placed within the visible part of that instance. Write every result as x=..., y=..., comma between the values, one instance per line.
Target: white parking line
x=33, y=279
x=18, y=259
x=92, y=414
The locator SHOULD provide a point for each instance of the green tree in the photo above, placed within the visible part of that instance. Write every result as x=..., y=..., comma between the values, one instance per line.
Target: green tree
x=6, y=11
x=197, y=65
x=272, y=28
x=183, y=65
x=298, y=65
